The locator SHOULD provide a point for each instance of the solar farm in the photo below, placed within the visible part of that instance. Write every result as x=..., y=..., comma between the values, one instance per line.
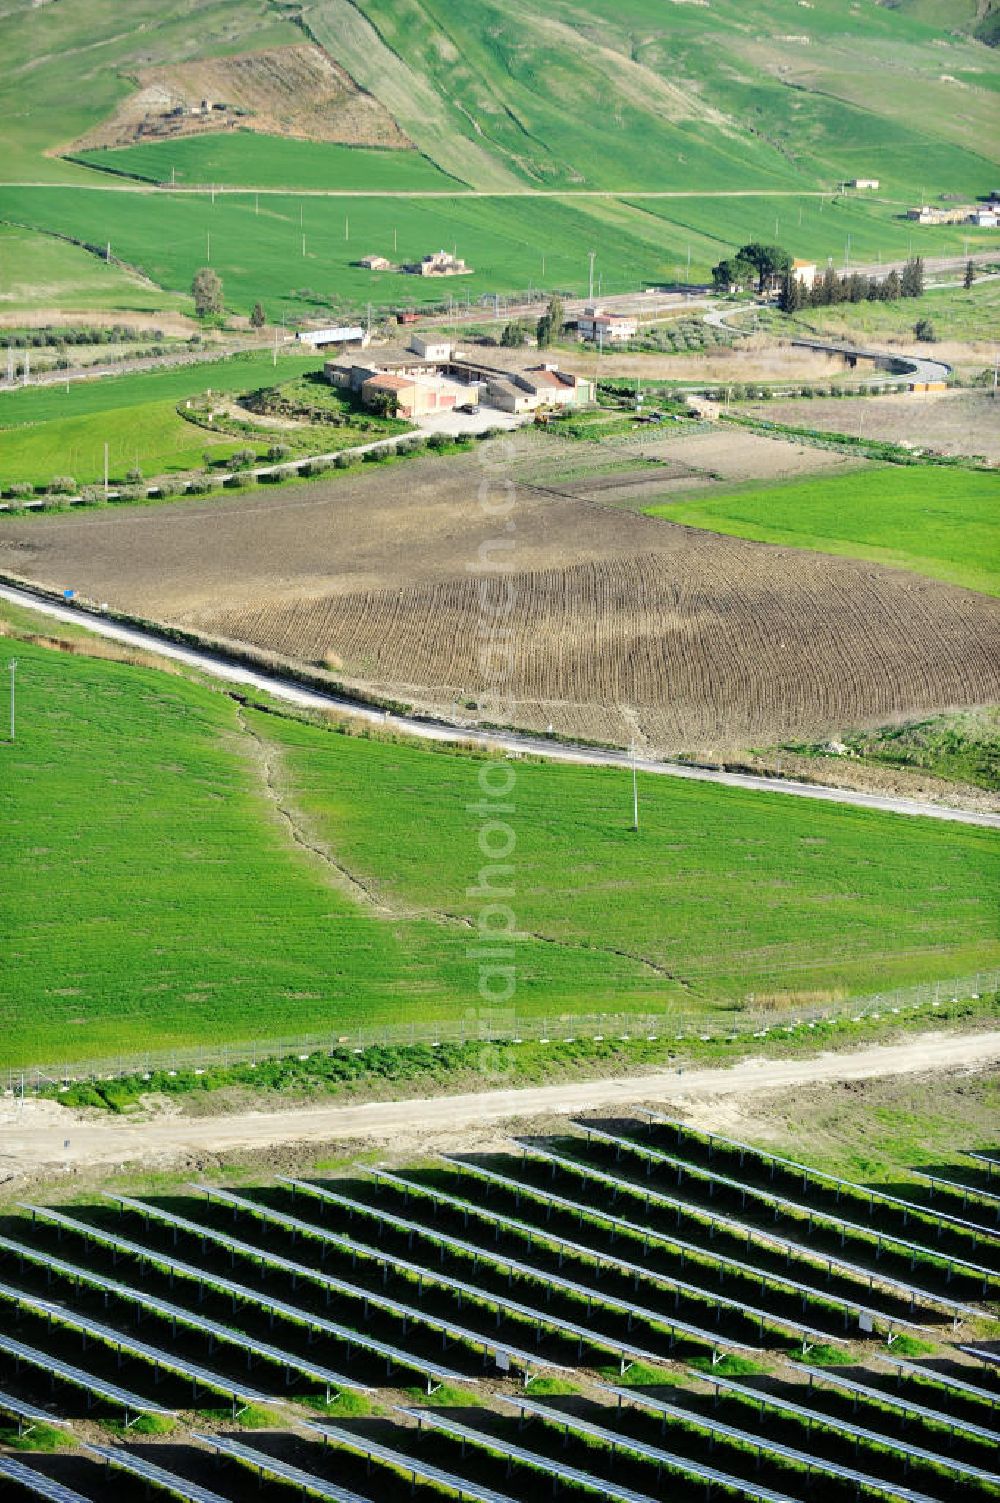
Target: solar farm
x=630, y=1308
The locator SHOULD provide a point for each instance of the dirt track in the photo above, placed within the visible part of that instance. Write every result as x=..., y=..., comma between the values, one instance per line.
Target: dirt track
x=43, y=1138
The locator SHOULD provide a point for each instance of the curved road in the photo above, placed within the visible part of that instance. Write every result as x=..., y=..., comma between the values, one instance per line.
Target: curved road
x=515, y=743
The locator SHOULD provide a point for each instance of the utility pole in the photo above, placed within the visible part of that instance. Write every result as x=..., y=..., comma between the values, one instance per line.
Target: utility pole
x=13, y=670
x=590, y=284
x=635, y=790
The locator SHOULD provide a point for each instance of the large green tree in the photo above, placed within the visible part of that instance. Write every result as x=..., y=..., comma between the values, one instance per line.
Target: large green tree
x=206, y=289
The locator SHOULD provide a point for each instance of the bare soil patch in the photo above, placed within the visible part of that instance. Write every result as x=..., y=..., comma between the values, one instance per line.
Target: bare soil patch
x=288, y=91
x=953, y=422
x=618, y=624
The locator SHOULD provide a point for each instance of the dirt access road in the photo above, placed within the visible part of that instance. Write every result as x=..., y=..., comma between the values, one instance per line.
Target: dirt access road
x=40, y=1138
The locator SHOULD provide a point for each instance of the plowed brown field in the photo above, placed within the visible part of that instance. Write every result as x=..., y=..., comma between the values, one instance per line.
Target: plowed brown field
x=608, y=624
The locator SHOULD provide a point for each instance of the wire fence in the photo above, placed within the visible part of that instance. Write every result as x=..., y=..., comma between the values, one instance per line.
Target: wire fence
x=755, y=1019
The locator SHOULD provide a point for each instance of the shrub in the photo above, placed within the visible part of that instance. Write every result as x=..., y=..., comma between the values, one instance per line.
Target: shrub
x=61, y=485
x=19, y=489
x=438, y=441
x=134, y=476
x=342, y=462
x=54, y=503
x=92, y=495
x=277, y=452
x=243, y=459
x=923, y=330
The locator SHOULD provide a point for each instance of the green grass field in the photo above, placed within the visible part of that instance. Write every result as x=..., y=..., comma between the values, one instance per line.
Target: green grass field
x=155, y=896
x=58, y=430
x=242, y=157
x=934, y=521
x=956, y=313
x=513, y=245
x=39, y=271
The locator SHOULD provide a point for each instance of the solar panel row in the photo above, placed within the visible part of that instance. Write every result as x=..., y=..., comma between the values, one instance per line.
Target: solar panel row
x=54, y=1367
x=156, y=1476
x=375, y=1450
x=942, y=1380
x=271, y=1466
x=701, y=1256
x=406, y=1313
x=614, y=1491
x=393, y=1356
x=763, y=1399
x=503, y=1306
x=177, y=1314
x=793, y=1208
x=896, y=1401
x=38, y=1483
x=763, y=1445
x=200, y=1377
x=749, y=1234
x=873, y=1194
x=532, y=1271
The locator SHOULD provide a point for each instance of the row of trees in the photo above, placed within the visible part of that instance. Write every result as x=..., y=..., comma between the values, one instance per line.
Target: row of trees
x=852, y=288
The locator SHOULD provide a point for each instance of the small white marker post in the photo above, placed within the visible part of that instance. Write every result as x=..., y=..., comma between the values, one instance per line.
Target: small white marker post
x=635, y=792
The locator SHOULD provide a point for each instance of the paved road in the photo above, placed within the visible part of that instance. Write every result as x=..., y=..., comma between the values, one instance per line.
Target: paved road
x=42, y=1137
x=514, y=743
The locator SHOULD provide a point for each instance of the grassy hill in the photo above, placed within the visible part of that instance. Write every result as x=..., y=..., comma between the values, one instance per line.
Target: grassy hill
x=745, y=96
x=937, y=522
x=180, y=870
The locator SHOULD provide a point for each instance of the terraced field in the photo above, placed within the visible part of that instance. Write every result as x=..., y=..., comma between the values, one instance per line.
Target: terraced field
x=682, y=1309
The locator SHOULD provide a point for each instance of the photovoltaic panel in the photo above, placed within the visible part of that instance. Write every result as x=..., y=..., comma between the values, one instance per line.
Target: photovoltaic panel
x=272, y=1467
x=476, y=1492
x=352, y=1291
x=34, y=1357
x=765, y=1157
x=177, y=1313
x=798, y=1458
x=705, y=1257
x=750, y=1233
x=205, y=1276
x=509, y=1306
x=22, y=1411
x=38, y=1483
x=123, y=1342
x=895, y=1401
x=610, y=1490
x=942, y=1379
x=531, y=1271
x=765, y=1400
x=157, y=1476
x=785, y=1203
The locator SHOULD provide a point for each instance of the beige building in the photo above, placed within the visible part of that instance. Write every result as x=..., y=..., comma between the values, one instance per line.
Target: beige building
x=433, y=347
x=606, y=328
x=375, y=263
x=804, y=272
x=410, y=397
x=439, y=264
